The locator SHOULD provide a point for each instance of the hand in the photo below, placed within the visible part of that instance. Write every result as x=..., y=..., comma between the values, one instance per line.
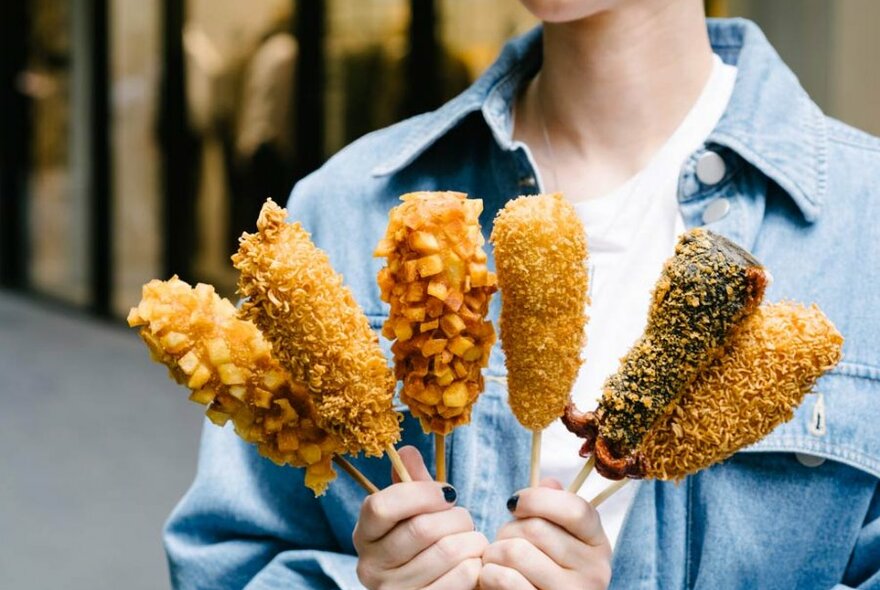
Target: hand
x=555, y=541
x=411, y=535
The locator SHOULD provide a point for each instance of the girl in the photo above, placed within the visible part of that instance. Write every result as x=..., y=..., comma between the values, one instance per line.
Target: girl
x=651, y=123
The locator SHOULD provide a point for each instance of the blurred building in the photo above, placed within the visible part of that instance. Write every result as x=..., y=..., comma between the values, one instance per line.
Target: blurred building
x=139, y=138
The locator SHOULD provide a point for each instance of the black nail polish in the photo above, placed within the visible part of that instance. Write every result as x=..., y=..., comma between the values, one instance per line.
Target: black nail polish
x=449, y=494
x=512, y=502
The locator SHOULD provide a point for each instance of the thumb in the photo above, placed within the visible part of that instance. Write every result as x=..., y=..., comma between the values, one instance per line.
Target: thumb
x=414, y=463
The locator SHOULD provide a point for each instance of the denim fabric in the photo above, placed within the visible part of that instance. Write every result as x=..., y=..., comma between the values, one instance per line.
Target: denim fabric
x=803, y=198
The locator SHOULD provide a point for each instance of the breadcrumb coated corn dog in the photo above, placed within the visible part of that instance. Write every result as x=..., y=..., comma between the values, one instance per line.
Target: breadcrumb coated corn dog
x=541, y=257
x=438, y=286
x=770, y=364
x=228, y=366
x=318, y=331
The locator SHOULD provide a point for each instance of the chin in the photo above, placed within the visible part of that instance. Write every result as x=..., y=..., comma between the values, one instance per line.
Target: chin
x=561, y=11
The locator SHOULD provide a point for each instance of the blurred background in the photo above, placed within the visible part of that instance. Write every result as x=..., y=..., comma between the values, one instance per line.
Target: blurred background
x=138, y=139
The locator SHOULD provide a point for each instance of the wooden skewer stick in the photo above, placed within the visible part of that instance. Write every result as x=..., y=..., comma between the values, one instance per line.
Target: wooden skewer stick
x=355, y=474
x=608, y=492
x=535, y=464
x=440, y=455
x=397, y=462
x=575, y=486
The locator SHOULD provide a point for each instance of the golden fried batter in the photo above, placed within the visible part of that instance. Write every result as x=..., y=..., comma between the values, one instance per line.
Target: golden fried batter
x=438, y=286
x=318, y=331
x=541, y=258
x=228, y=366
x=773, y=360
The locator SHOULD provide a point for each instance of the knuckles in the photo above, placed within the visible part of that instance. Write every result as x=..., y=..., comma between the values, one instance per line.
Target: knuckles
x=494, y=576
x=535, y=530
x=373, y=508
x=514, y=550
x=367, y=575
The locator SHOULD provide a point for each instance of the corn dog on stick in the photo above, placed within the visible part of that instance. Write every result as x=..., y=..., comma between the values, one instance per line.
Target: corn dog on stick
x=439, y=288
x=228, y=366
x=772, y=362
x=705, y=291
x=541, y=259
x=318, y=332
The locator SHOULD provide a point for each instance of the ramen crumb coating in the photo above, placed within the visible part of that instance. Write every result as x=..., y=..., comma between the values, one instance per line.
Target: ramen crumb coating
x=318, y=331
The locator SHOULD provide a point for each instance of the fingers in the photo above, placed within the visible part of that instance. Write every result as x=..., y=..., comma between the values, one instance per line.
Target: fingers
x=410, y=537
x=552, y=483
x=499, y=577
x=464, y=576
x=551, y=539
x=437, y=559
x=565, y=509
x=382, y=511
x=533, y=564
x=414, y=463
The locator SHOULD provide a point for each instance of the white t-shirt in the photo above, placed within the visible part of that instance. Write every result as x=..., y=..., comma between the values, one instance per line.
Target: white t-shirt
x=630, y=233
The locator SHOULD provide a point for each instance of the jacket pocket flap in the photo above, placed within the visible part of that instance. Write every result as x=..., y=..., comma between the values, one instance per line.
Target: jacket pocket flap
x=838, y=421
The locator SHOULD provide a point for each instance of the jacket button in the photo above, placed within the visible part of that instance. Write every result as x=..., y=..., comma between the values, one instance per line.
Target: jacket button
x=809, y=460
x=710, y=168
x=716, y=211
x=528, y=181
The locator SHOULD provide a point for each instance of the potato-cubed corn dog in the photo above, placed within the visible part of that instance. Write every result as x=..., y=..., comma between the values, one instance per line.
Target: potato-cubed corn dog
x=541, y=260
x=439, y=287
x=318, y=332
x=770, y=364
x=228, y=366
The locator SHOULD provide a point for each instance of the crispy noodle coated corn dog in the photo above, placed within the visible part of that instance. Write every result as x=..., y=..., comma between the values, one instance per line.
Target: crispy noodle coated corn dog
x=541, y=258
x=439, y=287
x=228, y=366
x=770, y=364
x=318, y=332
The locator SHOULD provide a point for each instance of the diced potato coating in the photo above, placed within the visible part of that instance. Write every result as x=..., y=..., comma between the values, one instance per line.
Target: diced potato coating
x=439, y=288
x=228, y=365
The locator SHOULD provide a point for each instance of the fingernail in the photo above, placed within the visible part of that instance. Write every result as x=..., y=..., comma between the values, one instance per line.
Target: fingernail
x=512, y=502
x=449, y=494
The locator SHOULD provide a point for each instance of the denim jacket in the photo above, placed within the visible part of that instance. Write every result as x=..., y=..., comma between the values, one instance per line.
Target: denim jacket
x=801, y=509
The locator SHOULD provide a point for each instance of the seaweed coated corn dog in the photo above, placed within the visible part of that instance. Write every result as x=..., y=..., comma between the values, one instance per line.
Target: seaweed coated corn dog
x=439, y=287
x=229, y=367
x=541, y=256
x=318, y=332
x=705, y=291
x=767, y=367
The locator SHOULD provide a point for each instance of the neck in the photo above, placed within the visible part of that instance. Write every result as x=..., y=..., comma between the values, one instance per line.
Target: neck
x=614, y=86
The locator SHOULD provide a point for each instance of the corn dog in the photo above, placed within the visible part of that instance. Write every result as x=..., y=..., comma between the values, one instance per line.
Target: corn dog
x=229, y=367
x=705, y=292
x=318, y=332
x=439, y=288
x=541, y=257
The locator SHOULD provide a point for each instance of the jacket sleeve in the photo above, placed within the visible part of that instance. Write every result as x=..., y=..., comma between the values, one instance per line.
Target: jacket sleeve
x=863, y=570
x=247, y=523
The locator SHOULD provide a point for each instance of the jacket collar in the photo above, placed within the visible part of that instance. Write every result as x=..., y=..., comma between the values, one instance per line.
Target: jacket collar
x=770, y=122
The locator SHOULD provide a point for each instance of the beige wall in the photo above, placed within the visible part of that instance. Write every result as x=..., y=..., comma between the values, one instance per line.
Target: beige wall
x=833, y=47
